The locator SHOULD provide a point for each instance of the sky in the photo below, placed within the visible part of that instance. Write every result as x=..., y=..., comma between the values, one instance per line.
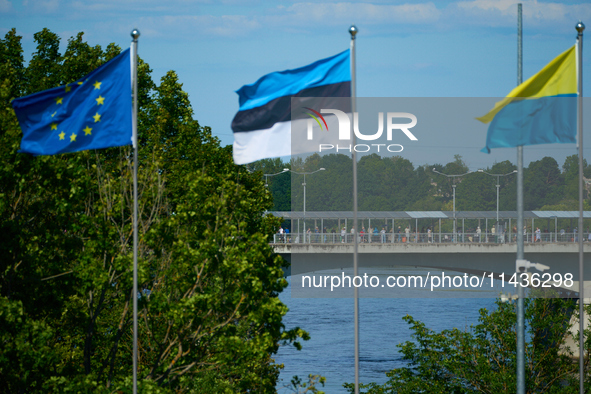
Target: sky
x=404, y=49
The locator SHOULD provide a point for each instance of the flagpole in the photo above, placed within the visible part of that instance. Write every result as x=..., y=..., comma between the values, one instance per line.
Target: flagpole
x=520, y=254
x=580, y=27
x=135, y=33
x=353, y=32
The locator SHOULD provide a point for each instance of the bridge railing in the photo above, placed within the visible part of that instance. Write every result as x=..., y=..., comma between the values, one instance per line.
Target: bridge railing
x=400, y=238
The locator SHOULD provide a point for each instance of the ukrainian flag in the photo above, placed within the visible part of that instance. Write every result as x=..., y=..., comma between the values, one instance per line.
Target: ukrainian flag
x=542, y=110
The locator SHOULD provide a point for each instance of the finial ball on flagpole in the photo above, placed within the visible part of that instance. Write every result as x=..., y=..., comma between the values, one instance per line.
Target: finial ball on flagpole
x=353, y=31
x=135, y=34
x=580, y=27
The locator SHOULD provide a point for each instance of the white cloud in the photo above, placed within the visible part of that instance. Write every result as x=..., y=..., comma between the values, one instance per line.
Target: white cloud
x=339, y=13
x=536, y=14
x=236, y=18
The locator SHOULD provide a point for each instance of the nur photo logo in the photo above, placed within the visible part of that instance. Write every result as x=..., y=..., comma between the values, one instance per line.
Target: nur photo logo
x=396, y=123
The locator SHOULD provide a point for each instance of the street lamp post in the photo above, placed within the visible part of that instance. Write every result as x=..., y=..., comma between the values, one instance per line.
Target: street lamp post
x=453, y=177
x=304, y=184
x=498, y=186
x=268, y=175
x=271, y=175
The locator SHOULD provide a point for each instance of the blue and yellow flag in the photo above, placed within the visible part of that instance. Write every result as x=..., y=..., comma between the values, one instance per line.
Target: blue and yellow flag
x=542, y=110
x=91, y=113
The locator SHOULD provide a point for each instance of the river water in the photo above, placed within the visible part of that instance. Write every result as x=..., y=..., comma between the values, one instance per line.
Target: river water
x=329, y=321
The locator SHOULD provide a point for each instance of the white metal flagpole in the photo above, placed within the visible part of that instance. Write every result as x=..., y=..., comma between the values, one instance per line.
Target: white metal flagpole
x=520, y=247
x=579, y=50
x=353, y=32
x=135, y=33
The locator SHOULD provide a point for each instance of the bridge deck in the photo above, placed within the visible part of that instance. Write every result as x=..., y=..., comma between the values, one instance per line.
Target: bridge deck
x=462, y=257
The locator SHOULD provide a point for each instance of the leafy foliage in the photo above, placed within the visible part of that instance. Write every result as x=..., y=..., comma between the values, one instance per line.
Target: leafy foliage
x=483, y=358
x=395, y=184
x=298, y=386
x=210, y=319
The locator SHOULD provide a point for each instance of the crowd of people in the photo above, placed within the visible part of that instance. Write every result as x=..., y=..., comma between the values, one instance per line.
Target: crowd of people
x=496, y=234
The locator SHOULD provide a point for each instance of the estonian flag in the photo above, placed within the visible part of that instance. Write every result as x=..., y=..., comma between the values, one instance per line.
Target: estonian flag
x=262, y=127
x=542, y=110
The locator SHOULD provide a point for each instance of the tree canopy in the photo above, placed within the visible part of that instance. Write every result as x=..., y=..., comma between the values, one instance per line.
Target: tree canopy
x=209, y=316
x=396, y=184
x=482, y=357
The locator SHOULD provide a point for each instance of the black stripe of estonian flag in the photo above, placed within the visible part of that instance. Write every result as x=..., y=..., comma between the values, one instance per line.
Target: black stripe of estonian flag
x=279, y=110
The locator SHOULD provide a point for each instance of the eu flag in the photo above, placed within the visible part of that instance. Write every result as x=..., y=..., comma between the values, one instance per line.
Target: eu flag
x=93, y=112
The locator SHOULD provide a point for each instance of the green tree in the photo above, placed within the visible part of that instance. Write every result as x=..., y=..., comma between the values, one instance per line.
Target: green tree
x=508, y=189
x=403, y=183
x=570, y=171
x=210, y=319
x=483, y=358
x=423, y=191
x=374, y=191
x=279, y=186
x=543, y=184
x=476, y=192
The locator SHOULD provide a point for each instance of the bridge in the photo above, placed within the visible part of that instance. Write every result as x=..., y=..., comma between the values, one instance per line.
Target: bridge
x=487, y=248
x=476, y=249
x=474, y=258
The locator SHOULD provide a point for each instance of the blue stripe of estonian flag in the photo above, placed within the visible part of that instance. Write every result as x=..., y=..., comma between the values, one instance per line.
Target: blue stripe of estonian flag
x=335, y=69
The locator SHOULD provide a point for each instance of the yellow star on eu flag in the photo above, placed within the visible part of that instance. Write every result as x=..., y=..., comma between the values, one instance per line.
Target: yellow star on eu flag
x=87, y=130
x=97, y=85
x=97, y=117
x=68, y=88
x=100, y=100
x=62, y=135
x=73, y=137
x=54, y=126
x=58, y=100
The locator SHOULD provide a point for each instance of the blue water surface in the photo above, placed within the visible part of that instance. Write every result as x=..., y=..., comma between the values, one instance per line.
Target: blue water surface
x=329, y=321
